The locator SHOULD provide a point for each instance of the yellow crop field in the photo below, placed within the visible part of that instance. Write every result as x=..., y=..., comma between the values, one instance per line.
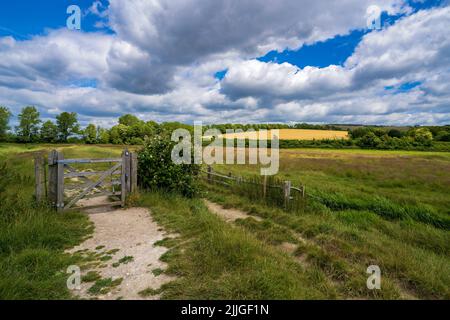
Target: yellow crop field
x=294, y=134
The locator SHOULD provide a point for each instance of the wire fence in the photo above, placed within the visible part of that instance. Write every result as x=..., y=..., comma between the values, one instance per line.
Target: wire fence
x=266, y=189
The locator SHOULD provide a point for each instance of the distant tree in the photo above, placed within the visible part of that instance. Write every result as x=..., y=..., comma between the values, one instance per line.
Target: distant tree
x=360, y=132
x=395, y=133
x=49, y=132
x=129, y=120
x=5, y=115
x=103, y=136
x=29, y=121
x=118, y=134
x=422, y=136
x=370, y=140
x=169, y=127
x=90, y=134
x=67, y=125
x=443, y=136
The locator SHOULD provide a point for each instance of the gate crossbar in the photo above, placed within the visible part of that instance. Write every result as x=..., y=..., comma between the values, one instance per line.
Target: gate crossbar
x=93, y=185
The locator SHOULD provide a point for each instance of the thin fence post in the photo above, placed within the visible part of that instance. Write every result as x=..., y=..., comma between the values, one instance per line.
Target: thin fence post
x=265, y=187
x=39, y=172
x=209, y=174
x=60, y=179
x=134, y=169
x=287, y=193
x=52, y=189
x=303, y=191
x=123, y=180
x=128, y=170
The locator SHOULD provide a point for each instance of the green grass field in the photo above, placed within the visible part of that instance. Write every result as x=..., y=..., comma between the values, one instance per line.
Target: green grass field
x=391, y=209
x=365, y=207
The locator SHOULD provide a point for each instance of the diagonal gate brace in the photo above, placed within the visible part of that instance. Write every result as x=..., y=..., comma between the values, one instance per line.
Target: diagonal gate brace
x=93, y=185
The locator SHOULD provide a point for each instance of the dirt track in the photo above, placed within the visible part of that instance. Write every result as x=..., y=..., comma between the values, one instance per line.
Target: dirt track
x=129, y=233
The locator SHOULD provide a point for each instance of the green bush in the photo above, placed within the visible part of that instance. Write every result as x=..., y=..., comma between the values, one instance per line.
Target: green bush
x=158, y=171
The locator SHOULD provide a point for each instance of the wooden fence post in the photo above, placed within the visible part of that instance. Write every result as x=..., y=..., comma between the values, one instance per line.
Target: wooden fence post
x=60, y=190
x=52, y=188
x=287, y=193
x=134, y=170
x=39, y=172
x=128, y=170
x=209, y=174
x=265, y=187
x=124, y=187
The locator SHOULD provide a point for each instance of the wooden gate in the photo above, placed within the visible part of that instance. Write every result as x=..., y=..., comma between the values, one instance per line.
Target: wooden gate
x=118, y=180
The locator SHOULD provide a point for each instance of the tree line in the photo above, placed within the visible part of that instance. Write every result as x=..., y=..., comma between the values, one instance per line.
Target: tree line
x=133, y=131
x=66, y=129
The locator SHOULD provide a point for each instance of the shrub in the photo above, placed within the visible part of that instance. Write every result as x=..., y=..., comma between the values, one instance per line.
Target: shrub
x=443, y=136
x=395, y=133
x=370, y=140
x=158, y=171
x=422, y=136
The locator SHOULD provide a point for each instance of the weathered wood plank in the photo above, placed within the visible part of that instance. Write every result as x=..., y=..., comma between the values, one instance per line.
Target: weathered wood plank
x=134, y=170
x=287, y=193
x=86, y=185
x=124, y=178
x=93, y=185
x=209, y=173
x=73, y=170
x=127, y=165
x=52, y=178
x=60, y=179
x=265, y=187
x=39, y=172
x=75, y=161
x=87, y=174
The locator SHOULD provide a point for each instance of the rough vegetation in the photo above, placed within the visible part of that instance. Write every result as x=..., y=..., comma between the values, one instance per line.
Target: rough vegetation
x=363, y=207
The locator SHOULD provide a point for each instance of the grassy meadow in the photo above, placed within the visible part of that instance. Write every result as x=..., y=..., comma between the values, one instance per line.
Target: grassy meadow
x=362, y=208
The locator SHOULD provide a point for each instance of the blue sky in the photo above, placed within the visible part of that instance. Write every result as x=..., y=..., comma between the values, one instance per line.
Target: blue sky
x=24, y=19
x=313, y=62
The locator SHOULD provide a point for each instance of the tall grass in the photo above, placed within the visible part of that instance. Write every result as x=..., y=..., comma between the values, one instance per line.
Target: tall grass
x=384, y=207
x=214, y=260
x=252, y=187
x=343, y=244
x=33, y=237
x=362, y=208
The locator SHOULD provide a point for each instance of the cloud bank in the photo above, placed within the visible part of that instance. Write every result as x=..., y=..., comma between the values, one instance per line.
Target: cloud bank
x=160, y=61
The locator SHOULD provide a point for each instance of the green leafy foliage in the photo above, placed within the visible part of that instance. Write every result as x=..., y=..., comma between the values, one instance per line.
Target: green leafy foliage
x=28, y=127
x=158, y=171
x=5, y=115
x=49, y=132
x=67, y=125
